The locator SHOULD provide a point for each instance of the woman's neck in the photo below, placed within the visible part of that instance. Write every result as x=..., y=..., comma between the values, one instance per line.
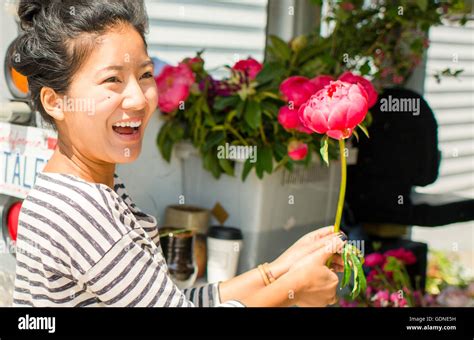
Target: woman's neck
x=68, y=160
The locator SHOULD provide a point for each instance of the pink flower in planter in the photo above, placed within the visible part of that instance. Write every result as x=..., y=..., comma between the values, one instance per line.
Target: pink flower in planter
x=403, y=255
x=321, y=81
x=297, y=150
x=289, y=119
x=349, y=77
x=335, y=110
x=173, y=85
x=374, y=259
x=250, y=67
x=297, y=90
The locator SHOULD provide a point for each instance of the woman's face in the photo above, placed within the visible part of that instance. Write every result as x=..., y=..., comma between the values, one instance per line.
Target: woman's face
x=111, y=99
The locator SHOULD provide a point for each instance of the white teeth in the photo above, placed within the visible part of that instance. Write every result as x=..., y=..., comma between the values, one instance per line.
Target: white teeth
x=129, y=124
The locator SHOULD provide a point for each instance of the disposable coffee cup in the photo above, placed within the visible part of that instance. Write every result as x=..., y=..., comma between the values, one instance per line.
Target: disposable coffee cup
x=223, y=250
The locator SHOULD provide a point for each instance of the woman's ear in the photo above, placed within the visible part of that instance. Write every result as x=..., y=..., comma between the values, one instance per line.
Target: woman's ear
x=52, y=103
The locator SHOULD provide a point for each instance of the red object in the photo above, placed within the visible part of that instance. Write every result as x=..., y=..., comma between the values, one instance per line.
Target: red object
x=12, y=219
x=297, y=150
x=249, y=66
x=351, y=78
x=173, y=85
x=52, y=142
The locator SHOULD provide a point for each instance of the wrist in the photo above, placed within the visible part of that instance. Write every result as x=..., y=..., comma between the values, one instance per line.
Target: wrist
x=277, y=269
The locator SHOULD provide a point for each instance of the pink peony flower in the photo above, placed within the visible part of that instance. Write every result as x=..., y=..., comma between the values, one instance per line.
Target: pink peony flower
x=250, y=67
x=406, y=256
x=297, y=90
x=374, y=259
x=335, y=110
x=173, y=85
x=321, y=81
x=288, y=118
x=351, y=78
x=297, y=150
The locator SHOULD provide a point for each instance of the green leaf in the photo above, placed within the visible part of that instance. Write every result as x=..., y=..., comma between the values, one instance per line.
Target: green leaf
x=253, y=114
x=227, y=166
x=362, y=282
x=264, y=159
x=211, y=163
x=270, y=71
x=166, y=149
x=422, y=4
x=248, y=165
x=176, y=133
x=324, y=150
x=280, y=48
x=223, y=102
x=355, y=134
x=364, y=129
x=347, y=268
x=214, y=139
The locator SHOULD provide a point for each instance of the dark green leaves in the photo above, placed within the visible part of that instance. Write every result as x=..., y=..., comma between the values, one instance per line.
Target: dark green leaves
x=279, y=48
x=264, y=160
x=253, y=114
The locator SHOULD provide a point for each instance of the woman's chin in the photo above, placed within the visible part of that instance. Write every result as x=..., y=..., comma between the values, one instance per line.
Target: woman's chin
x=127, y=156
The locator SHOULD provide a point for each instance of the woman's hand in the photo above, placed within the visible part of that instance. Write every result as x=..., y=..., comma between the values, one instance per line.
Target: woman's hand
x=315, y=284
x=304, y=246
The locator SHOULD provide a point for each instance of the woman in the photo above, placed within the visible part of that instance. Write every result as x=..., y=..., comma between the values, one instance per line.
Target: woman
x=81, y=239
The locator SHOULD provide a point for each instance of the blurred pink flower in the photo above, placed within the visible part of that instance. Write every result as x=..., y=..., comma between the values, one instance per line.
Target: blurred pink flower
x=297, y=150
x=335, y=110
x=406, y=256
x=347, y=6
x=347, y=303
x=381, y=298
x=371, y=275
x=321, y=81
x=249, y=66
x=397, y=79
x=288, y=118
x=374, y=259
x=351, y=78
x=173, y=85
x=297, y=90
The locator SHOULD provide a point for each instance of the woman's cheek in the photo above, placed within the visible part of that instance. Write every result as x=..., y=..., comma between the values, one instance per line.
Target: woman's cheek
x=151, y=95
x=107, y=103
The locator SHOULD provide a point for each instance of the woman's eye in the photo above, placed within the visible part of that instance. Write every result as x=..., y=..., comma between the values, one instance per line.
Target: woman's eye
x=147, y=75
x=112, y=80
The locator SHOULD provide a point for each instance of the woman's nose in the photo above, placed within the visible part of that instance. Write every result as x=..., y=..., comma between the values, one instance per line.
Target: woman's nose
x=134, y=98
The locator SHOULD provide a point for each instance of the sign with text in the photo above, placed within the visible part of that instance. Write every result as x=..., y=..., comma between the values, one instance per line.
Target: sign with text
x=24, y=151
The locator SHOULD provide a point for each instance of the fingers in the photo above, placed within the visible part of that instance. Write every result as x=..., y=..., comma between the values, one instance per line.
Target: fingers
x=333, y=245
x=337, y=259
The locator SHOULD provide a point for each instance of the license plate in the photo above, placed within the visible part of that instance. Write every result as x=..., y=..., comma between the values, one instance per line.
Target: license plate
x=24, y=152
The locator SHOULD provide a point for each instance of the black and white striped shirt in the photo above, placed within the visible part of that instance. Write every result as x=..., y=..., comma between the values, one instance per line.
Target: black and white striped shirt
x=84, y=244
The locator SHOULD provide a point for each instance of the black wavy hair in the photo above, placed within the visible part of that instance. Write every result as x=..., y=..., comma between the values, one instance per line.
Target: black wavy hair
x=57, y=35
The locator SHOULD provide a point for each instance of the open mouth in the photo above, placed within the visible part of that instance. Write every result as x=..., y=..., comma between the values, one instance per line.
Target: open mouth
x=127, y=128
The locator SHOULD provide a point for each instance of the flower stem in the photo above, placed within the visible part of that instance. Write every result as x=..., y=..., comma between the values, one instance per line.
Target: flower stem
x=342, y=189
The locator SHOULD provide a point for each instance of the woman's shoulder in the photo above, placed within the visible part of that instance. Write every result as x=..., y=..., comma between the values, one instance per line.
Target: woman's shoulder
x=70, y=202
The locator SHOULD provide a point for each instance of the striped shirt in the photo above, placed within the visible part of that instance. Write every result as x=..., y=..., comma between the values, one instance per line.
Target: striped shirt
x=84, y=244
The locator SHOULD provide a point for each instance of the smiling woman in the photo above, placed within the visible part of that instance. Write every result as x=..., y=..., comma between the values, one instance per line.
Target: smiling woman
x=81, y=239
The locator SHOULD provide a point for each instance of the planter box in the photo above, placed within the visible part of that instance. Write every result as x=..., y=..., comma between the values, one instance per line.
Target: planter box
x=273, y=212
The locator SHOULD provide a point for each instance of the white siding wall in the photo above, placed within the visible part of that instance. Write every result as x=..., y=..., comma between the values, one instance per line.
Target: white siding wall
x=227, y=30
x=453, y=104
